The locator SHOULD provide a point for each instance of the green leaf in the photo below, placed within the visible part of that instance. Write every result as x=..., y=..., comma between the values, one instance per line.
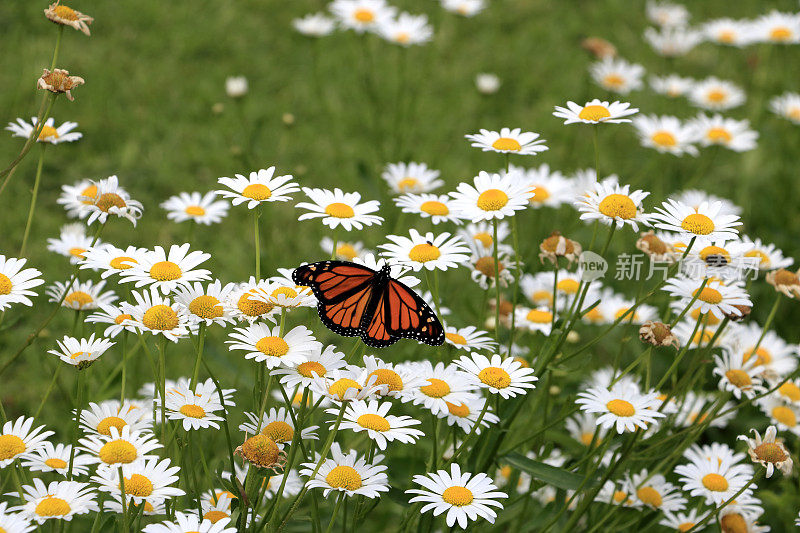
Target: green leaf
x=557, y=477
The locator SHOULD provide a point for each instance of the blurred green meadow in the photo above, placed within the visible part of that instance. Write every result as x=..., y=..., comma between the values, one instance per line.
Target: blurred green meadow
x=333, y=112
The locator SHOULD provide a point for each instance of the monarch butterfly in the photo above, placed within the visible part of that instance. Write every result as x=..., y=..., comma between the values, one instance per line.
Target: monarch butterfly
x=354, y=300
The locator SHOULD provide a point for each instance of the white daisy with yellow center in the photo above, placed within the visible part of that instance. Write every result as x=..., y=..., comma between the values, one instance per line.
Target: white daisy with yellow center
x=278, y=425
x=671, y=85
x=98, y=419
x=216, y=509
x=614, y=306
x=148, y=480
x=350, y=384
x=190, y=523
x=615, y=494
x=345, y=250
x=17, y=438
x=507, y=141
x=111, y=260
x=465, y=8
x=286, y=294
x=534, y=319
x=583, y=428
x=114, y=505
x=715, y=481
x=617, y=75
x=468, y=338
x=444, y=384
x=717, y=130
x=381, y=427
x=406, y=29
x=428, y=251
x=667, y=14
x=337, y=208
x=120, y=447
x=249, y=301
x=787, y=106
x=49, y=134
x=614, y=204
x=538, y=288
x=16, y=282
x=491, y=196
x=506, y=377
x=411, y=177
x=110, y=199
x=480, y=236
x=437, y=208
x=55, y=458
x=117, y=319
x=72, y=242
x=714, y=94
x=167, y=270
x=777, y=27
x=159, y=315
x=58, y=500
x=775, y=356
x=348, y=474
x=267, y=345
x=595, y=112
x=789, y=391
x=465, y=414
x=73, y=197
x=681, y=521
x=550, y=188
x=317, y=365
x=259, y=187
x=654, y=492
x=786, y=416
x=622, y=406
x=666, y=134
x=197, y=207
x=462, y=496
x=673, y=42
x=314, y=25
x=739, y=376
x=193, y=410
x=83, y=296
x=730, y=32
x=204, y=305
x=715, y=296
x=706, y=220
x=398, y=381
x=81, y=352
x=361, y=15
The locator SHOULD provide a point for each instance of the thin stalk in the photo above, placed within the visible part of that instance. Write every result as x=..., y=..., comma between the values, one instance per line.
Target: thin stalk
x=201, y=337
x=496, y=283
x=257, y=240
x=34, y=195
x=339, y=501
x=123, y=501
x=41, y=118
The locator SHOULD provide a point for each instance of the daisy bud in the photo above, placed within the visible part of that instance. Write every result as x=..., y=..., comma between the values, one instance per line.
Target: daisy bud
x=66, y=16
x=599, y=48
x=658, y=334
x=556, y=246
x=59, y=81
x=573, y=337
x=261, y=451
x=744, y=312
x=657, y=249
x=785, y=281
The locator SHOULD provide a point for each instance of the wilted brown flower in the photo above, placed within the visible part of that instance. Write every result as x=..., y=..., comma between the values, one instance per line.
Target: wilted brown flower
x=59, y=81
x=769, y=452
x=657, y=249
x=785, y=281
x=61, y=14
x=556, y=246
x=261, y=451
x=658, y=334
x=599, y=48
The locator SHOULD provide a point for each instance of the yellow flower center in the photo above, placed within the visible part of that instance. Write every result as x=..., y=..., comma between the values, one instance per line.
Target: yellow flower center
x=594, y=315
x=793, y=113
x=122, y=318
x=160, y=317
x=485, y=265
x=540, y=194
x=215, y=516
x=407, y=183
x=77, y=251
x=47, y=132
x=763, y=357
x=195, y=211
x=89, y=192
x=306, y=369
x=587, y=437
x=347, y=251
x=539, y=317
x=620, y=496
x=594, y=113
x=122, y=262
x=279, y=431
x=717, y=96
x=455, y=338
x=272, y=346
x=733, y=523
x=165, y=271
x=340, y=387
x=649, y=496
x=543, y=296
x=780, y=33
x=784, y=415
x=698, y=224
x=763, y=258
x=66, y=13
x=715, y=255
x=434, y=208
x=206, y=306
x=373, y=422
x=495, y=377
x=686, y=526
x=618, y=206
x=790, y=390
x=461, y=410
x=719, y=135
x=615, y=81
x=109, y=200
x=664, y=138
x=492, y=200
x=726, y=36
x=436, y=389
x=105, y=425
x=138, y=485
x=56, y=463
x=118, y=451
x=260, y=450
x=621, y=408
x=507, y=143
x=285, y=291
x=715, y=482
x=402, y=37
x=739, y=378
x=51, y=506
x=5, y=285
x=422, y=253
x=78, y=299
x=457, y=496
x=340, y=210
x=484, y=238
x=10, y=446
x=363, y=15
x=344, y=477
x=385, y=376
x=257, y=191
x=708, y=295
x=252, y=307
x=569, y=286
x=192, y=411
x=770, y=452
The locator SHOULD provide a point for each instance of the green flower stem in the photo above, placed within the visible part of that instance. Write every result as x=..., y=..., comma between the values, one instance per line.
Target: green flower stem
x=201, y=337
x=257, y=240
x=49, y=390
x=339, y=501
x=44, y=113
x=224, y=417
x=162, y=384
x=34, y=195
x=80, y=387
x=496, y=282
x=124, y=366
x=700, y=323
x=124, y=501
x=514, y=294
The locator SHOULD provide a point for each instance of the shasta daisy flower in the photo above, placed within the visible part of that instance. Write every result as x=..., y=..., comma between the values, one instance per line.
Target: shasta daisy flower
x=204, y=305
x=681, y=521
x=73, y=197
x=787, y=106
x=491, y=196
x=339, y=208
x=267, y=345
x=770, y=453
x=154, y=313
x=260, y=187
x=715, y=297
x=81, y=296
x=706, y=220
x=550, y=188
x=623, y=406
x=583, y=427
x=672, y=85
x=716, y=481
x=14, y=522
x=716, y=95
x=506, y=377
x=438, y=208
x=694, y=410
x=120, y=447
x=406, y=30
x=72, y=242
x=738, y=376
x=81, y=352
x=49, y=134
x=480, y=236
x=465, y=414
x=55, y=458
x=195, y=411
x=147, y=480
x=733, y=134
x=348, y=474
x=673, y=42
x=200, y=208
x=729, y=32
x=653, y=491
x=17, y=439
x=276, y=424
x=66, y=16
x=445, y=384
x=595, y=112
x=349, y=384
x=666, y=134
x=166, y=271
x=381, y=427
x=111, y=314
x=398, y=381
x=361, y=15
x=249, y=301
x=777, y=28
x=539, y=319
x=508, y=141
x=468, y=338
x=314, y=25
x=99, y=418
x=785, y=416
x=286, y=293
x=667, y=14
x=775, y=356
x=429, y=251
x=16, y=282
x=612, y=204
x=617, y=75
x=345, y=250
x=463, y=496
x=110, y=199
x=411, y=178
x=186, y=522
x=110, y=259
x=613, y=493
x=316, y=365
x=59, y=500
x=465, y=8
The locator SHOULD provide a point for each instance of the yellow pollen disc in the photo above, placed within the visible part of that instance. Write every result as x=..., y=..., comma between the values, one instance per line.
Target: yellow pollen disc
x=784, y=277
x=624, y=310
x=719, y=135
x=664, y=138
x=78, y=299
x=346, y=251
x=206, y=306
x=711, y=320
x=286, y=291
x=492, y=200
x=66, y=13
x=708, y=295
x=215, y=516
x=192, y=411
x=138, y=485
x=461, y=410
x=434, y=208
x=621, y=408
x=252, y=307
x=195, y=211
x=784, y=415
x=105, y=425
x=365, y=16
x=594, y=113
x=715, y=482
x=48, y=132
x=594, y=315
x=543, y=296
x=77, y=251
x=165, y=271
x=790, y=390
x=717, y=96
x=703, y=337
x=340, y=210
x=457, y=496
x=763, y=258
x=506, y=471
x=407, y=183
x=109, y=200
x=422, y=253
x=793, y=113
x=90, y=192
x=763, y=356
x=715, y=255
x=260, y=450
x=118, y=451
x=5, y=285
x=51, y=506
x=649, y=496
x=569, y=286
x=615, y=81
x=485, y=265
x=340, y=387
x=484, y=238
x=617, y=206
x=55, y=462
x=523, y=363
x=436, y=389
x=733, y=523
x=272, y=346
x=698, y=224
x=586, y=438
x=384, y=376
x=780, y=34
x=123, y=262
x=738, y=378
x=402, y=37
x=10, y=446
x=620, y=496
x=257, y=191
x=726, y=37
x=306, y=369
x=540, y=194
x=770, y=452
x=279, y=431
x=148, y=507
x=507, y=143
x=161, y=318
x=344, y=477
x=455, y=338
x=539, y=317
x=373, y=422
x=122, y=318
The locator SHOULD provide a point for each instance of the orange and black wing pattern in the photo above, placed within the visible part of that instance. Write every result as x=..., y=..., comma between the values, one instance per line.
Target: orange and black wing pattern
x=410, y=317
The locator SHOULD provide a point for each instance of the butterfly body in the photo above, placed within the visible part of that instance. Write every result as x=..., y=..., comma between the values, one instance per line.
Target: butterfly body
x=354, y=300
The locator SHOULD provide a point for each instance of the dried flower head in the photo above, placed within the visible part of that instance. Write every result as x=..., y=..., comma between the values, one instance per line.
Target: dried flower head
x=743, y=310
x=769, y=452
x=658, y=334
x=66, y=16
x=556, y=245
x=657, y=249
x=59, y=81
x=262, y=452
x=599, y=48
x=785, y=281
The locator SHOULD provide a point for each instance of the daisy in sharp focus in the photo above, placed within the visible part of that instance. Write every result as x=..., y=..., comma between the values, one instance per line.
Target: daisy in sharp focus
x=154, y=313
x=110, y=259
x=787, y=106
x=266, y=345
x=361, y=15
x=491, y=196
x=314, y=25
x=117, y=319
x=621, y=406
x=17, y=439
x=411, y=178
x=346, y=473
x=400, y=380
x=438, y=208
x=204, y=304
x=769, y=452
x=716, y=95
x=199, y=208
x=83, y=296
x=715, y=297
x=666, y=134
x=166, y=270
x=120, y=447
x=406, y=29
x=337, y=208
x=381, y=427
x=508, y=141
x=706, y=220
x=445, y=384
x=738, y=376
x=716, y=481
x=462, y=495
x=259, y=187
x=148, y=480
x=614, y=205
x=99, y=418
x=249, y=301
x=506, y=377
x=55, y=458
x=732, y=134
x=72, y=242
x=277, y=424
x=190, y=523
x=81, y=352
x=59, y=500
x=671, y=85
x=316, y=365
x=110, y=199
x=550, y=188
x=617, y=75
x=428, y=251
x=595, y=112
x=16, y=282
x=195, y=412
x=49, y=134
x=467, y=411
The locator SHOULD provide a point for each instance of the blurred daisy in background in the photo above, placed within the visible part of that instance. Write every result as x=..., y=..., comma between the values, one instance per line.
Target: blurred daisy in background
x=236, y=86
x=73, y=197
x=595, y=112
x=487, y=83
x=314, y=25
x=768, y=255
x=617, y=75
x=508, y=141
x=110, y=199
x=72, y=242
x=672, y=41
x=411, y=178
x=671, y=85
x=406, y=29
x=259, y=187
x=715, y=94
x=733, y=134
x=200, y=208
x=465, y=8
x=49, y=134
x=16, y=282
x=347, y=250
x=666, y=134
x=186, y=522
x=550, y=188
x=787, y=106
x=667, y=14
x=337, y=208
x=695, y=197
x=778, y=28
x=361, y=15
x=729, y=32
